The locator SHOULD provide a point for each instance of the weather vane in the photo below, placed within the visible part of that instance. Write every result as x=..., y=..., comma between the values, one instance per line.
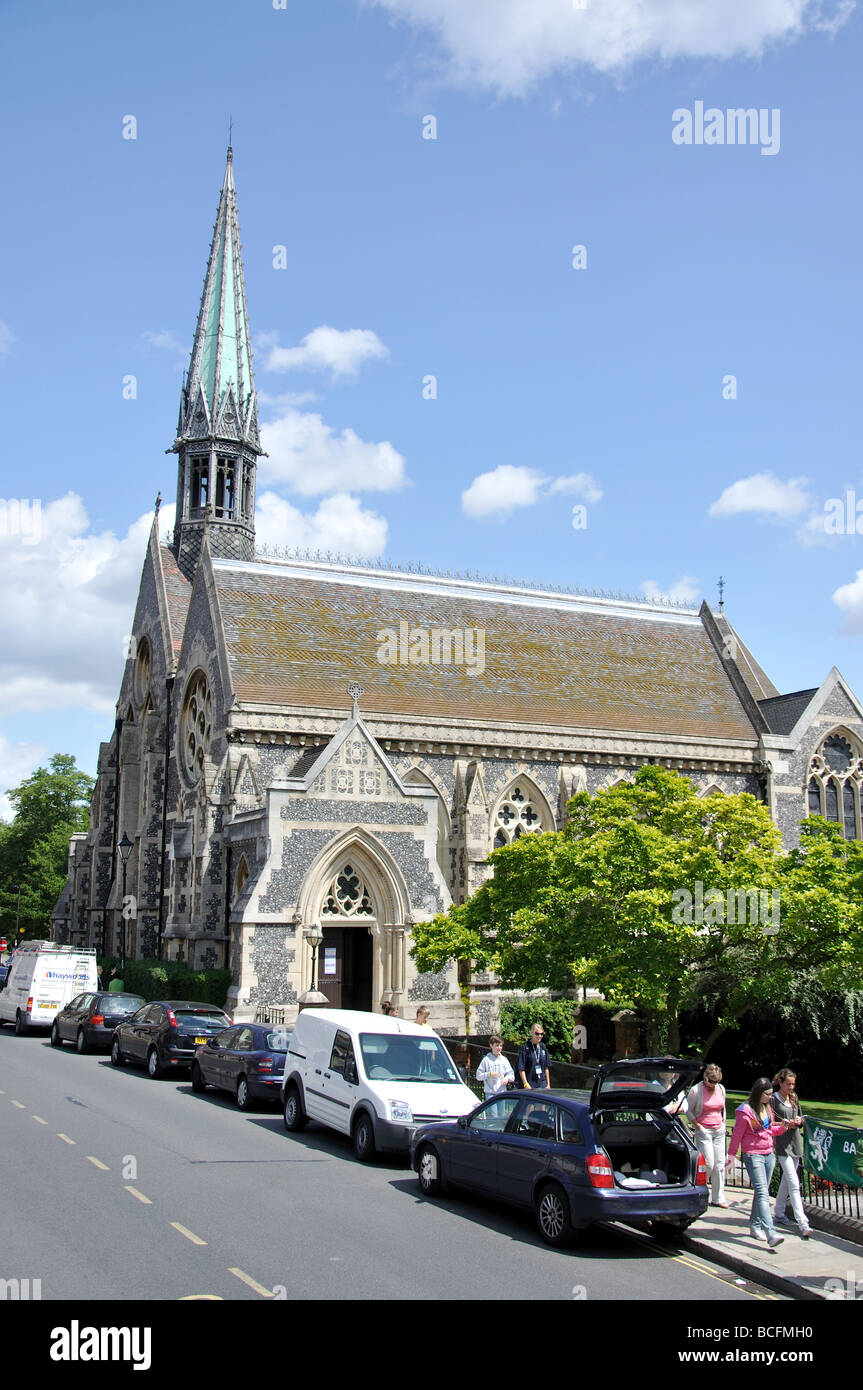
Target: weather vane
x=721, y=594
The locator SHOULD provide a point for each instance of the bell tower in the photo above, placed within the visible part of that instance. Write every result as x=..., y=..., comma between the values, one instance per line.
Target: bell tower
x=217, y=433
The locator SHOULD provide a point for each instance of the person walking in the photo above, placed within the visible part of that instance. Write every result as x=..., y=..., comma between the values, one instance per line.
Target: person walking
x=533, y=1061
x=423, y=1014
x=789, y=1151
x=754, y=1131
x=495, y=1071
x=705, y=1109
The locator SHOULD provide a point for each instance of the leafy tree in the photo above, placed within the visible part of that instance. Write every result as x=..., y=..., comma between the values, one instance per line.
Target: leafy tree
x=49, y=806
x=650, y=888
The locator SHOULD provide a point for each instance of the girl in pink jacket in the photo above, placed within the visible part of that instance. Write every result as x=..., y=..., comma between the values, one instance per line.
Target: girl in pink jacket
x=754, y=1129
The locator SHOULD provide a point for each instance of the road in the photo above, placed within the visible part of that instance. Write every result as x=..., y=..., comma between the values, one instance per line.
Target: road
x=118, y=1187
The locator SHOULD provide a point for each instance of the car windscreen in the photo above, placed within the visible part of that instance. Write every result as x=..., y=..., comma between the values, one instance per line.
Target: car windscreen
x=403, y=1057
x=277, y=1040
x=119, y=1003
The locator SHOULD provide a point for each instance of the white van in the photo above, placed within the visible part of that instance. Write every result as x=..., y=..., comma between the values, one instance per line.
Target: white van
x=43, y=979
x=372, y=1076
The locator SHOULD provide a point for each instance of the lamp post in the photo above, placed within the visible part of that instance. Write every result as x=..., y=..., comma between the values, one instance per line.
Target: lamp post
x=125, y=847
x=313, y=998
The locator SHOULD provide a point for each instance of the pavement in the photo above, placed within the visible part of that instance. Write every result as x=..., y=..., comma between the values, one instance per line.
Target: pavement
x=826, y=1266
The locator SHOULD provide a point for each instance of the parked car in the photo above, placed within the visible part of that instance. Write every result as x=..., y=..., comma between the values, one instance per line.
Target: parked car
x=43, y=977
x=374, y=1077
x=90, y=1019
x=248, y=1060
x=165, y=1034
x=576, y=1157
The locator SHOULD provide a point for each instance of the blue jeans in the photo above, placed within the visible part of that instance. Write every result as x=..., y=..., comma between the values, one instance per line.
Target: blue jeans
x=760, y=1169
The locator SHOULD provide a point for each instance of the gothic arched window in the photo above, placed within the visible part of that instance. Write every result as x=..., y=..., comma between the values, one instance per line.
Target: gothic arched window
x=518, y=813
x=347, y=895
x=835, y=784
x=196, y=726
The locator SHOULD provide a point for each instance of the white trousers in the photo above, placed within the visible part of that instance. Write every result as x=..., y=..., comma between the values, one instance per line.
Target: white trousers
x=711, y=1143
x=789, y=1191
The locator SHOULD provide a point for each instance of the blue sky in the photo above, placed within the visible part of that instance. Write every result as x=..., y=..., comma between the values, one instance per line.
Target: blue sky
x=449, y=257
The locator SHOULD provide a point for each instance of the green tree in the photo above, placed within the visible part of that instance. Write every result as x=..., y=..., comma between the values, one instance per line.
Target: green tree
x=649, y=889
x=49, y=806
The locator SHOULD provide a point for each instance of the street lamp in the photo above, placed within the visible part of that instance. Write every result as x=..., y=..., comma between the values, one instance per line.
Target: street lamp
x=313, y=997
x=125, y=847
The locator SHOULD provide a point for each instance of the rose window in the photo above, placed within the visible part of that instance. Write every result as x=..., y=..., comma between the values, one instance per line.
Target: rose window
x=347, y=896
x=196, y=726
x=516, y=816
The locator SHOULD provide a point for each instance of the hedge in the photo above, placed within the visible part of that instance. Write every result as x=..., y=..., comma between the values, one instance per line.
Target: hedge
x=555, y=1015
x=168, y=979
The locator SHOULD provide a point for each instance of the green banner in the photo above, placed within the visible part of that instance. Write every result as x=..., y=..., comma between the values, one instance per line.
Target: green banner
x=833, y=1153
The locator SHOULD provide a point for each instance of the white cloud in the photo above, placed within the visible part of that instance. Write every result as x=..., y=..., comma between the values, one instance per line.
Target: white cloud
x=849, y=597
x=510, y=46
x=341, y=352
x=17, y=761
x=766, y=496
x=287, y=398
x=313, y=459
x=69, y=598
x=508, y=487
x=340, y=524
x=684, y=590
x=7, y=338
x=167, y=341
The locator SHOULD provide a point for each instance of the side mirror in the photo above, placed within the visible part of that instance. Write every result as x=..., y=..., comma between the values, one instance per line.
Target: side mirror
x=462, y=1121
x=211, y=1042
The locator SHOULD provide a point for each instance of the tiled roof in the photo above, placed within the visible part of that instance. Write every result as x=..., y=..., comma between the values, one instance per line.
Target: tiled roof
x=782, y=713
x=178, y=591
x=299, y=634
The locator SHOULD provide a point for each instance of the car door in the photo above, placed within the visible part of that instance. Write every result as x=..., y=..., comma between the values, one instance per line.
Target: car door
x=527, y=1149
x=471, y=1149
x=67, y=1019
x=210, y=1056
x=144, y=1030
x=340, y=1083
x=235, y=1057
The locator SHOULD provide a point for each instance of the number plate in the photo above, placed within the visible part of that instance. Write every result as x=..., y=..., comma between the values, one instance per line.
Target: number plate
x=199, y=1042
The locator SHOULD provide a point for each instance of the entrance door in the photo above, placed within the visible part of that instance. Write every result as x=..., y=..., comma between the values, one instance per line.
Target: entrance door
x=345, y=967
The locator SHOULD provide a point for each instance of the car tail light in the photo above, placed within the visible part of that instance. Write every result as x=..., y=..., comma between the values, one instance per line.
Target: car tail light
x=172, y=1018
x=600, y=1171
x=265, y=1065
x=30, y=1004
x=701, y=1172
x=98, y=1019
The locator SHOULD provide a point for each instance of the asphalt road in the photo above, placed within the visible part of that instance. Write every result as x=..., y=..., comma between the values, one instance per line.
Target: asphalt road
x=118, y=1187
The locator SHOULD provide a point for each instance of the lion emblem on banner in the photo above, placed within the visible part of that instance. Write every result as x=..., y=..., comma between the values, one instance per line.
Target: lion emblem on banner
x=820, y=1140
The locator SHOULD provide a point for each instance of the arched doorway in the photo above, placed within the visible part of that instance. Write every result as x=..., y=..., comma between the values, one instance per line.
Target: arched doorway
x=357, y=892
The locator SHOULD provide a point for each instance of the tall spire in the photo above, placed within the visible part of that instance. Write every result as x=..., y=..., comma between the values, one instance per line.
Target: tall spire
x=217, y=433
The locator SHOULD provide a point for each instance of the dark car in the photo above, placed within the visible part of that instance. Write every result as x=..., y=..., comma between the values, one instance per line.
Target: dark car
x=165, y=1034
x=248, y=1060
x=575, y=1157
x=90, y=1019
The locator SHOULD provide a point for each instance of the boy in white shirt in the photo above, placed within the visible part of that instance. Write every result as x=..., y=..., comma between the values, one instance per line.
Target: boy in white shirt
x=494, y=1071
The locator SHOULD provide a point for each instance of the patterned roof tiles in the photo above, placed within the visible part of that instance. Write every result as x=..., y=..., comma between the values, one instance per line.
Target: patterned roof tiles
x=297, y=635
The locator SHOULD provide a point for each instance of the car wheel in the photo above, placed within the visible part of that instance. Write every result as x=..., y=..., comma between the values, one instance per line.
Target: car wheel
x=20, y=1025
x=81, y=1042
x=553, y=1216
x=56, y=1040
x=117, y=1058
x=154, y=1066
x=244, y=1095
x=429, y=1172
x=199, y=1085
x=295, y=1115
x=364, y=1137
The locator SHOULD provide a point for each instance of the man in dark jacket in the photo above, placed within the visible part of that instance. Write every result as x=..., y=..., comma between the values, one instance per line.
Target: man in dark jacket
x=533, y=1062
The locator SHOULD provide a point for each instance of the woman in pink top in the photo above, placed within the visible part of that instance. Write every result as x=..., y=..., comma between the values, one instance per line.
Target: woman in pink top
x=705, y=1109
x=754, y=1130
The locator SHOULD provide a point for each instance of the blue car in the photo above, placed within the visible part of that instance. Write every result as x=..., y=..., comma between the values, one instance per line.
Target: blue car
x=247, y=1060
x=615, y=1153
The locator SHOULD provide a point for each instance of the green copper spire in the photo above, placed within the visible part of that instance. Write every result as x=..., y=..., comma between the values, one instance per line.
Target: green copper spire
x=217, y=434
x=221, y=354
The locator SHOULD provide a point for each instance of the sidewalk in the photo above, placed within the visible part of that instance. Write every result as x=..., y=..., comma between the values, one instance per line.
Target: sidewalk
x=797, y=1268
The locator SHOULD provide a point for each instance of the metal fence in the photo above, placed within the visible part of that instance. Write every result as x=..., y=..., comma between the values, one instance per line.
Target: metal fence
x=828, y=1196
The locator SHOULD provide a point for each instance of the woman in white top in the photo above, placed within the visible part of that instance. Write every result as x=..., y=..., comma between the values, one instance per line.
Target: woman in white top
x=705, y=1109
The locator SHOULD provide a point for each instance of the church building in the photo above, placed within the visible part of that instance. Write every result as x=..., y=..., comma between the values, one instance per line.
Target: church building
x=309, y=740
